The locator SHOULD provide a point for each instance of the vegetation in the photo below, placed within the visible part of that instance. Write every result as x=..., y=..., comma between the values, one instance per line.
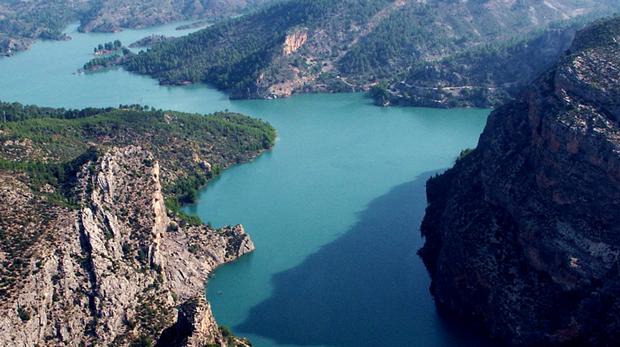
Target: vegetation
x=22, y=22
x=108, y=47
x=12, y=112
x=107, y=55
x=61, y=176
x=351, y=44
x=234, y=64
x=464, y=153
x=380, y=94
x=484, y=76
x=148, y=41
x=23, y=314
x=52, y=144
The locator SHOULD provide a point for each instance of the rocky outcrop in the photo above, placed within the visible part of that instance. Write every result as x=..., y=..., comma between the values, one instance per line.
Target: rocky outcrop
x=522, y=235
x=294, y=41
x=8, y=45
x=118, y=270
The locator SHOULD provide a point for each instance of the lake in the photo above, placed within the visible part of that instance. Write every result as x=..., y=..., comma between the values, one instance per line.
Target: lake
x=334, y=209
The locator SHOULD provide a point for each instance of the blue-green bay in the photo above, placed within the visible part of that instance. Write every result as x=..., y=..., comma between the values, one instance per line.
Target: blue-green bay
x=334, y=208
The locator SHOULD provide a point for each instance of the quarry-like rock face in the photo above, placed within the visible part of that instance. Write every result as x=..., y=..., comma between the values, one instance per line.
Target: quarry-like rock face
x=523, y=234
x=115, y=271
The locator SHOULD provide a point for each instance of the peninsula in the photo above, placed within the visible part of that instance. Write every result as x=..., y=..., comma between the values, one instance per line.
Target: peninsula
x=94, y=247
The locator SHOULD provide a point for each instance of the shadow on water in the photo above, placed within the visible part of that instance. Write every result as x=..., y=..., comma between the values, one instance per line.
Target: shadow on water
x=368, y=288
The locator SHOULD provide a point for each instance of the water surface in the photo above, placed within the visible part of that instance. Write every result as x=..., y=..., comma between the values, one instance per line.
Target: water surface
x=334, y=208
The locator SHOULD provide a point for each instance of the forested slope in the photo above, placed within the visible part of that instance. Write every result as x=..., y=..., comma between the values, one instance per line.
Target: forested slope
x=347, y=45
x=22, y=22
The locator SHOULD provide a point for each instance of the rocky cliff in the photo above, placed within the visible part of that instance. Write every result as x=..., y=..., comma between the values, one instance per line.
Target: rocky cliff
x=112, y=272
x=522, y=235
x=93, y=247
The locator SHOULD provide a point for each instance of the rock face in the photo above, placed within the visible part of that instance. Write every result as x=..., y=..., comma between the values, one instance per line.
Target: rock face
x=523, y=234
x=294, y=41
x=112, y=272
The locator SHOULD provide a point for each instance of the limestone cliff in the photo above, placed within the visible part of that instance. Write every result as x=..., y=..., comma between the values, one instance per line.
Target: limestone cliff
x=294, y=41
x=112, y=272
x=522, y=235
x=94, y=249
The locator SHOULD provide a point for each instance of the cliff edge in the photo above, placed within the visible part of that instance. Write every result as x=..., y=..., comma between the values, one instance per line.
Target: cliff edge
x=523, y=234
x=93, y=247
x=113, y=271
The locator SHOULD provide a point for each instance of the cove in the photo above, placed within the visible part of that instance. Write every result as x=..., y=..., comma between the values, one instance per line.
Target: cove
x=334, y=208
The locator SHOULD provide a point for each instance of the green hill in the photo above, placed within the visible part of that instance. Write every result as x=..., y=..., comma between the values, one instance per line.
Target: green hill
x=345, y=45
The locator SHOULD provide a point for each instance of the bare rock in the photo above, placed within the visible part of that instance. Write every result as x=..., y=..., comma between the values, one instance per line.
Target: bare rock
x=523, y=235
x=110, y=273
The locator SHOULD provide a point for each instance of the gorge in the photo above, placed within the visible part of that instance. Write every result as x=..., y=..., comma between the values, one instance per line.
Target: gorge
x=117, y=208
x=297, y=199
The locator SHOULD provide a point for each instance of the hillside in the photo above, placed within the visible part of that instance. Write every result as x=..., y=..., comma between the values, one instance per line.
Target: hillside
x=344, y=45
x=522, y=234
x=485, y=76
x=23, y=22
x=115, y=15
x=94, y=249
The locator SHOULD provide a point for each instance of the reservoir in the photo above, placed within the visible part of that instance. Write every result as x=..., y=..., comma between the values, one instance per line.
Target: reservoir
x=334, y=209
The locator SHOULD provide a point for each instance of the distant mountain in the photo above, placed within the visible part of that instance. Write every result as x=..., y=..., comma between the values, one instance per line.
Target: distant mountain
x=523, y=234
x=347, y=45
x=114, y=15
x=22, y=22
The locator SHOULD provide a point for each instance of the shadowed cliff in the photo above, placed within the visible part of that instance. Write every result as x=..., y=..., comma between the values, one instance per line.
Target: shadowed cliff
x=523, y=235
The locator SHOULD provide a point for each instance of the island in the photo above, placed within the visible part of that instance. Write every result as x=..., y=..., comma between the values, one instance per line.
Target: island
x=107, y=55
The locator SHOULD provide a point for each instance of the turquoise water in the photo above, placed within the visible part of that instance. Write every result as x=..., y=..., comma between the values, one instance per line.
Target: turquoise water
x=334, y=208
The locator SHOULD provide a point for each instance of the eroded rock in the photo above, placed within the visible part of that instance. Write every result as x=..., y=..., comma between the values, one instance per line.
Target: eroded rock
x=522, y=235
x=111, y=272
